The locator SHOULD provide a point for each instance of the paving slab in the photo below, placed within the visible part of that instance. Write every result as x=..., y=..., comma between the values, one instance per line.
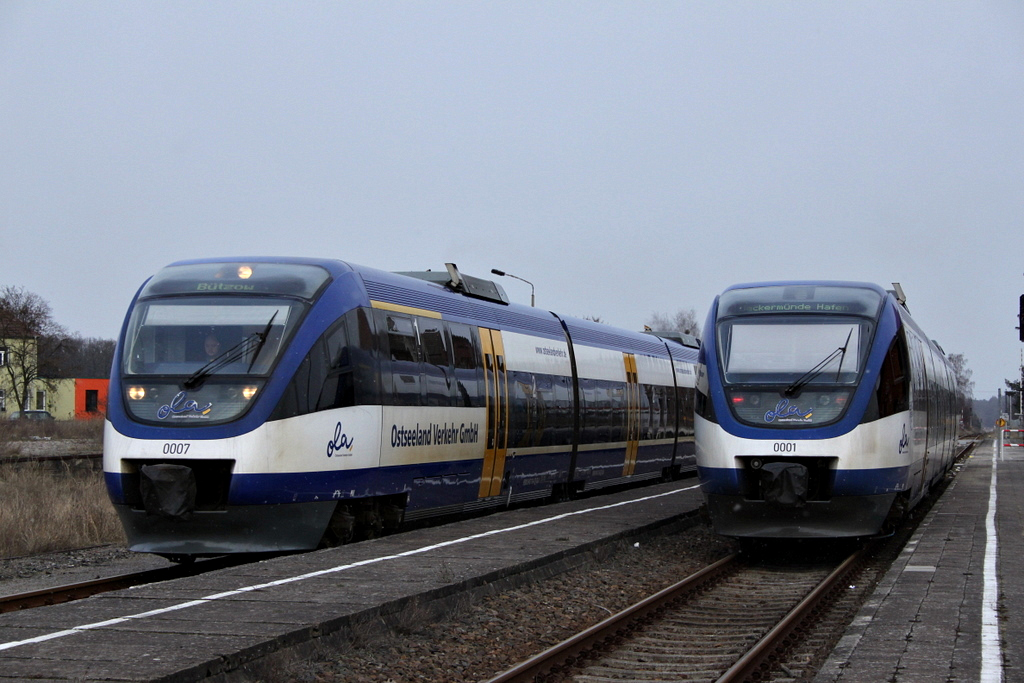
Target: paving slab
x=924, y=620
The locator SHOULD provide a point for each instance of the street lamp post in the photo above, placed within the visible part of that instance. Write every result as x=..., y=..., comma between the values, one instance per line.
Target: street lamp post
x=504, y=274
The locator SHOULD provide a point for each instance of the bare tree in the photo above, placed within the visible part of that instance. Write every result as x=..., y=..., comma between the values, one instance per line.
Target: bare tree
x=684, y=321
x=964, y=387
x=75, y=357
x=24, y=318
x=1013, y=395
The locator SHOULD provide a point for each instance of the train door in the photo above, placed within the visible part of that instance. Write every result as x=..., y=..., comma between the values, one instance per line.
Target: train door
x=496, y=391
x=632, y=415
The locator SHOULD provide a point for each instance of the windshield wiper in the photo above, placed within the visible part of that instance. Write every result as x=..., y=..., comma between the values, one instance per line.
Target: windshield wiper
x=232, y=355
x=263, y=340
x=804, y=379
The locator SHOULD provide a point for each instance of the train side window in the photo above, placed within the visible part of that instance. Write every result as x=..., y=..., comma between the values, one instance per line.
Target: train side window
x=403, y=372
x=365, y=365
x=318, y=365
x=335, y=373
x=432, y=337
x=337, y=391
x=468, y=369
x=617, y=408
x=402, y=339
x=683, y=407
x=522, y=397
x=338, y=347
x=603, y=411
x=463, y=347
x=437, y=362
x=892, y=394
x=651, y=426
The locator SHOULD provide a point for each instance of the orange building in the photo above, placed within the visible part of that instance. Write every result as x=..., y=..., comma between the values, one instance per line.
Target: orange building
x=79, y=399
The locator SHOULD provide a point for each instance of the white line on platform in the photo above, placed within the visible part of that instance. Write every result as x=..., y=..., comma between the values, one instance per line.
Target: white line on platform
x=332, y=570
x=991, y=649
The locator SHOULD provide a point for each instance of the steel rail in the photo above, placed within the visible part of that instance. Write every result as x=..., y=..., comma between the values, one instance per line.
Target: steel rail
x=27, y=459
x=83, y=589
x=608, y=629
x=775, y=640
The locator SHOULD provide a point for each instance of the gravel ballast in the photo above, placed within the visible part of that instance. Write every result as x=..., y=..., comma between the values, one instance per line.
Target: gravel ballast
x=477, y=641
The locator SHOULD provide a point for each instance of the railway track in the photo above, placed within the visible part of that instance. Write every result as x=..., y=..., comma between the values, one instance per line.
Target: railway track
x=83, y=589
x=739, y=619
x=89, y=460
x=722, y=623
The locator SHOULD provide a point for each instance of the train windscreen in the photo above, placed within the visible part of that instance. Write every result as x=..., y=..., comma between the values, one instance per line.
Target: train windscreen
x=202, y=358
x=791, y=355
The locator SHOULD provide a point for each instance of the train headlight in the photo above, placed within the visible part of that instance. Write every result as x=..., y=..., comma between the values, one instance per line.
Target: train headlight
x=244, y=272
x=755, y=463
x=248, y=392
x=136, y=393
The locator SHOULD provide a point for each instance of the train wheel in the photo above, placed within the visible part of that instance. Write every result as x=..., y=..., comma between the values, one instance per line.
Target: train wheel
x=897, y=514
x=368, y=521
x=392, y=515
x=341, y=529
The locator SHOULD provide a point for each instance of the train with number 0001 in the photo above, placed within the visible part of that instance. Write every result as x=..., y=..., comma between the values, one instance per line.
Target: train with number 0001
x=279, y=404
x=822, y=410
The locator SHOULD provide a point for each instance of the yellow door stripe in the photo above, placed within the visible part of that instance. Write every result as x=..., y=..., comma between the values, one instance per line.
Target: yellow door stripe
x=490, y=425
x=632, y=414
x=496, y=429
x=501, y=440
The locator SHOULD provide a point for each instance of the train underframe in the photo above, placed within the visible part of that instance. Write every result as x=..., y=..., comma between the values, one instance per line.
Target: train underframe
x=179, y=511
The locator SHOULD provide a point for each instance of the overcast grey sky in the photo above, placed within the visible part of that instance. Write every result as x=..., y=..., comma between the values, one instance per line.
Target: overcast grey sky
x=626, y=157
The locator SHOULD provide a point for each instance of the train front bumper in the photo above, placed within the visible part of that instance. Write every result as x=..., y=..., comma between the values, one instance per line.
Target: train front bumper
x=841, y=516
x=238, y=529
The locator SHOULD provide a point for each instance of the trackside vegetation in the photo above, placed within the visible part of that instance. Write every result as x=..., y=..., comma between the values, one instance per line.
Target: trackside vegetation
x=46, y=507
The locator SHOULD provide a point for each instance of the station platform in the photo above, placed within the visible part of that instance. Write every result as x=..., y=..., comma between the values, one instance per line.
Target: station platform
x=951, y=608
x=208, y=626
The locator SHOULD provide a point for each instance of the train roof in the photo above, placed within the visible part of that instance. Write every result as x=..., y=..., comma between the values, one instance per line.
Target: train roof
x=464, y=298
x=809, y=283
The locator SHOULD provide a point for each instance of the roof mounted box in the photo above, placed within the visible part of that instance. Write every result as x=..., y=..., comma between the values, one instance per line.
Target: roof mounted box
x=476, y=287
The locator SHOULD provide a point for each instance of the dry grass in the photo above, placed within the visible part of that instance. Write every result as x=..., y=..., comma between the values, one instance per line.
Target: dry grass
x=13, y=432
x=42, y=510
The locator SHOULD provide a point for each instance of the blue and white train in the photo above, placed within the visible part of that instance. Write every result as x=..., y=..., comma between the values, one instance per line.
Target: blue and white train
x=272, y=404
x=822, y=410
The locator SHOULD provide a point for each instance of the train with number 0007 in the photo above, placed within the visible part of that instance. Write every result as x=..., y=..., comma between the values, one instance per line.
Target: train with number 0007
x=278, y=404
x=822, y=410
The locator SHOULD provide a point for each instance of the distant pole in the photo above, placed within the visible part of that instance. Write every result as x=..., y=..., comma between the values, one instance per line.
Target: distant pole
x=516, y=277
